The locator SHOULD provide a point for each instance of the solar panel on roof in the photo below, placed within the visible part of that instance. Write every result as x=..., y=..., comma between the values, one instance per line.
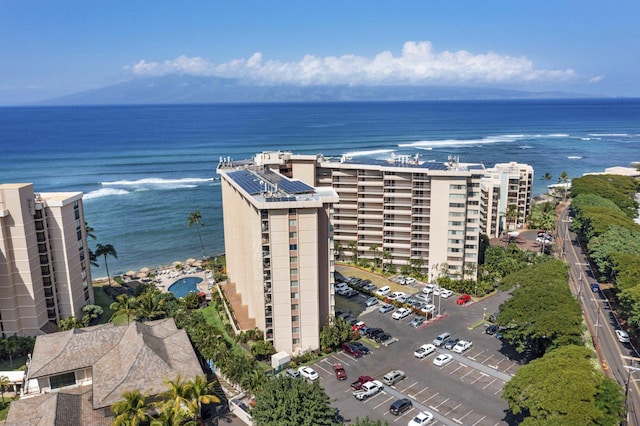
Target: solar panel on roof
x=247, y=181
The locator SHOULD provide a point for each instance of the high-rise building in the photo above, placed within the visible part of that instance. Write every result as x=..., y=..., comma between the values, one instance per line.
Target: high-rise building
x=45, y=273
x=279, y=252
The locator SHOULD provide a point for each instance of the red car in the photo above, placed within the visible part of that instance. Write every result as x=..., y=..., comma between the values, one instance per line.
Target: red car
x=340, y=373
x=463, y=299
x=357, y=385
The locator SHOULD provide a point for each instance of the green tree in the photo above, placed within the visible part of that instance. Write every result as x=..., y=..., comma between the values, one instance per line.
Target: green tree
x=195, y=219
x=124, y=305
x=334, y=333
x=4, y=384
x=366, y=421
x=70, y=323
x=132, y=410
x=337, y=248
x=564, y=179
x=386, y=256
x=178, y=400
x=201, y=393
x=284, y=401
x=151, y=305
x=106, y=250
x=353, y=247
x=512, y=215
x=561, y=388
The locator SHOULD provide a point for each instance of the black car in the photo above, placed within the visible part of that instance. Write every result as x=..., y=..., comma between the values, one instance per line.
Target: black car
x=365, y=350
x=492, y=329
x=382, y=337
x=400, y=406
x=449, y=344
x=373, y=331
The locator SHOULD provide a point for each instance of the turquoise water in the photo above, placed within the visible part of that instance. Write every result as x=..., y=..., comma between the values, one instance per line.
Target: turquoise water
x=184, y=286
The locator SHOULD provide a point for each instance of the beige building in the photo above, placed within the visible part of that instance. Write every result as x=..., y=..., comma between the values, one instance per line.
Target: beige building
x=45, y=273
x=279, y=251
x=507, y=191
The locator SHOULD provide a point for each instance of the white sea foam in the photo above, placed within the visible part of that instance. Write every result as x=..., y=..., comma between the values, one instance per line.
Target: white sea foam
x=574, y=157
x=525, y=147
x=158, y=183
x=459, y=142
x=368, y=153
x=103, y=192
x=609, y=134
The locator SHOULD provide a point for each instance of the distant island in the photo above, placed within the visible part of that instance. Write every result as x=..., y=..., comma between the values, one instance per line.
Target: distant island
x=186, y=89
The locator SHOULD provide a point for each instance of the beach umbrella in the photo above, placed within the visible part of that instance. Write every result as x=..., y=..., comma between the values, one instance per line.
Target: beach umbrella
x=145, y=270
x=197, y=263
x=143, y=275
x=190, y=261
x=131, y=273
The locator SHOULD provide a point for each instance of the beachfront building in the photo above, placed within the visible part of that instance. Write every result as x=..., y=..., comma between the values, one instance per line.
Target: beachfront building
x=507, y=190
x=279, y=252
x=45, y=274
x=400, y=211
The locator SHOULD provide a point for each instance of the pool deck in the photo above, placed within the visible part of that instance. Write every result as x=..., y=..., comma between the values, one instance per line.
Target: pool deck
x=165, y=277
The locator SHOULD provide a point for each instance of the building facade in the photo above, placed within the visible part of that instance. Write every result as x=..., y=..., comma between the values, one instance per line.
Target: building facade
x=45, y=273
x=279, y=252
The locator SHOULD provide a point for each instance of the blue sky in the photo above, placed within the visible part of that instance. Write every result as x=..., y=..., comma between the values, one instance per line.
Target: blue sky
x=51, y=48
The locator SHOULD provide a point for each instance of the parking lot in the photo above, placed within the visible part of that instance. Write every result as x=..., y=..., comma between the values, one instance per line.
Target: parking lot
x=465, y=391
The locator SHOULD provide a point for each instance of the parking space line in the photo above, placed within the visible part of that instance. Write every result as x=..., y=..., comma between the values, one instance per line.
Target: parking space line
x=459, y=367
x=425, y=401
x=383, y=402
x=501, y=361
x=436, y=407
x=322, y=368
x=489, y=384
x=408, y=387
x=487, y=359
x=416, y=394
x=477, y=355
x=483, y=417
x=404, y=414
x=482, y=375
x=498, y=391
x=461, y=418
x=510, y=367
x=469, y=372
x=454, y=408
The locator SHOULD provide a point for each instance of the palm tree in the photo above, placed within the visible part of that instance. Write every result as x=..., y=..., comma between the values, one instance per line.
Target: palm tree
x=511, y=215
x=353, y=246
x=386, y=255
x=373, y=248
x=564, y=179
x=337, y=248
x=195, y=219
x=177, y=399
x=4, y=383
x=151, y=304
x=201, y=393
x=90, y=231
x=132, y=410
x=106, y=250
x=124, y=305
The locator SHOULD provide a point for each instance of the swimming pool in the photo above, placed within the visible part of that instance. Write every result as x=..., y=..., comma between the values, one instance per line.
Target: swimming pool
x=184, y=286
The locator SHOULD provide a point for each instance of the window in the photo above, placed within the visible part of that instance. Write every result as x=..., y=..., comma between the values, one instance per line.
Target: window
x=294, y=295
x=294, y=283
x=293, y=235
x=62, y=380
x=294, y=307
x=293, y=247
x=295, y=318
x=292, y=211
x=296, y=341
x=293, y=222
x=294, y=271
x=457, y=196
x=295, y=330
x=293, y=259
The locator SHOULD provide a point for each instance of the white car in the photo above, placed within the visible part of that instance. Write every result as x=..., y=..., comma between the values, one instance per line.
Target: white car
x=308, y=373
x=422, y=297
x=428, y=288
x=446, y=293
x=442, y=359
x=423, y=418
x=383, y=291
x=401, y=313
x=396, y=294
x=428, y=309
x=623, y=336
x=409, y=281
x=424, y=350
x=437, y=291
x=402, y=298
x=462, y=346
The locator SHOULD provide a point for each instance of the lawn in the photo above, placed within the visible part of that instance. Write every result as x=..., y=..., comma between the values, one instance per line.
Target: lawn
x=104, y=301
x=18, y=363
x=4, y=407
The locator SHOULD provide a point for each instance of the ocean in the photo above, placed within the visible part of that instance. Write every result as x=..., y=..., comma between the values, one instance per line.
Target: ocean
x=144, y=169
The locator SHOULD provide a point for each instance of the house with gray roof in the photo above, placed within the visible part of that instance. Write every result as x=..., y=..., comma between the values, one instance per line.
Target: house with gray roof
x=74, y=376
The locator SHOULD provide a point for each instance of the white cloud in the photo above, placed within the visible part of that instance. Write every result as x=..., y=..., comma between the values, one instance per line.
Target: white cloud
x=418, y=64
x=596, y=79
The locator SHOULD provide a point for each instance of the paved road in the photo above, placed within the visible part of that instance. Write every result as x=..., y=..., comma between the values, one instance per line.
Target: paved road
x=600, y=319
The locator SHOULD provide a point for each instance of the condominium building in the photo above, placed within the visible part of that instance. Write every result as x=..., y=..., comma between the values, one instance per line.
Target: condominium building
x=45, y=273
x=279, y=252
x=507, y=190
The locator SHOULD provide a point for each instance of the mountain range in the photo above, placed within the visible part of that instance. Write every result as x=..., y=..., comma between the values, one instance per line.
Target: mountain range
x=187, y=89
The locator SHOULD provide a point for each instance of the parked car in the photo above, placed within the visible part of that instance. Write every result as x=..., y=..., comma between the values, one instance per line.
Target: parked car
x=383, y=291
x=361, y=347
x=451, y=342
x=308, y=373
x=370, y=287
x=595, y=287
x=373, y=331
x=437, y=291
x=371, y=301
x=338, y=369
x=462, y=346
x=424, y=350
x=463, y=299
x=409, y=281
x=421, y=419
x=423, y=297
x=400, y=406
x=428, y=309
x=385, y=308
x=348, y=348
x=396, y=294
x=623, y=336
x=417, y=321
x=294, y=374
x=361, y=381
x=383, y=337
x=442, y=359
x=428, y=289
x=492, y=329
x=402, y=298
x=357, y=326
x=393, y=377
x=439, y=341
x=401, y=313
x=446, y=293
